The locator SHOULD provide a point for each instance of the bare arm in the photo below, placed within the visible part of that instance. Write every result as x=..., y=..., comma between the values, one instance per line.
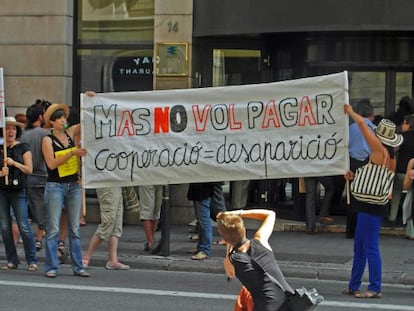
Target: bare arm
x=228, y=266
x=409, y=175
x=268, y=219
x=26, y=167
x=377, y=149
x=49, y=156
x=74, y=131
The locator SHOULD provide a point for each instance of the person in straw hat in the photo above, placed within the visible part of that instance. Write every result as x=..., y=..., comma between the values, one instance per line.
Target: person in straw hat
x=17, y=164
x=370, y=216
x=62, y=187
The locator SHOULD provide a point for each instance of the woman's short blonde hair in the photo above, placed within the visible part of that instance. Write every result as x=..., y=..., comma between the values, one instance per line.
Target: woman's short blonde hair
x=231, y=228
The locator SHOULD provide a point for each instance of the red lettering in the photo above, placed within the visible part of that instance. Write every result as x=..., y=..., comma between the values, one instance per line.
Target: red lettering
x=270, y=115
x=126, y=124
x=234, y=124
x=200, y=118
x=306, y=113
x=161, y=120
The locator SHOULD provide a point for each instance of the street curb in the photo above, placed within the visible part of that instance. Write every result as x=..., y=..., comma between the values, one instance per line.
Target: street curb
x=336, y=272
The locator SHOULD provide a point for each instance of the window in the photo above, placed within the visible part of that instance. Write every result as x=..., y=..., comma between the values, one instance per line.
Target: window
x=235, y=67
x=114, y=46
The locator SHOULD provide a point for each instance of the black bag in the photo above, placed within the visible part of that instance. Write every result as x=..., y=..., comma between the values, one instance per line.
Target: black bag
x=302, y=300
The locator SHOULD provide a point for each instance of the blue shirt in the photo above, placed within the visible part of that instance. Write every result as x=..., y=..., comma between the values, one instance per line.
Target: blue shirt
x=358, y=146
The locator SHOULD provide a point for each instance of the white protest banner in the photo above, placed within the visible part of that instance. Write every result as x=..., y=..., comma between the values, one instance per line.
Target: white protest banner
x=274, y=130
x=2, y=100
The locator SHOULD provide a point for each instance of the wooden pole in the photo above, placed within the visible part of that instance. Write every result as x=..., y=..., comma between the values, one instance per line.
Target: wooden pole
x=2, y=119
x=6, y=178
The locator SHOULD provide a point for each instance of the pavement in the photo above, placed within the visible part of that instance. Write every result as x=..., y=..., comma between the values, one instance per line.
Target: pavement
x=325, y=255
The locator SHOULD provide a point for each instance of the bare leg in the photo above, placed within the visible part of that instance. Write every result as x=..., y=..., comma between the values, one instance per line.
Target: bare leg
x=15, y=232
x=113, y=263
x=149, y=231
x=113, y=249
x=93, y=245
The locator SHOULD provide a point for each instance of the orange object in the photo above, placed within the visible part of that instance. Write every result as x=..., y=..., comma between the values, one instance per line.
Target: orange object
x=244, y=301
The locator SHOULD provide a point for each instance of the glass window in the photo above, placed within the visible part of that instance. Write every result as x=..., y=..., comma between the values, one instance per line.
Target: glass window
x=235, y=67
x=104, y=70
x=114, y=47
x=403, y=86
x=113, y=22
x=368, y=85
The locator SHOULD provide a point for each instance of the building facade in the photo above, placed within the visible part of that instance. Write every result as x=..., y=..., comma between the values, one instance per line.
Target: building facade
x=57, y=49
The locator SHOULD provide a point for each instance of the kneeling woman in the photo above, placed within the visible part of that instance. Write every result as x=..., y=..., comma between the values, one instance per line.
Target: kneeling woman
x=252, y=261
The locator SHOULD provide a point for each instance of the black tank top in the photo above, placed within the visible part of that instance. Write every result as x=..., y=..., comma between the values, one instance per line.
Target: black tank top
x=53, y=175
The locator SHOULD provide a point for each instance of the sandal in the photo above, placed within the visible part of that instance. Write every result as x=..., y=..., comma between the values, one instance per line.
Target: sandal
x=38, y=245
x=116, y=266
x=350, y=292
x=8, y=266
x=368, y=294
x=61, y=245
x=32, y=267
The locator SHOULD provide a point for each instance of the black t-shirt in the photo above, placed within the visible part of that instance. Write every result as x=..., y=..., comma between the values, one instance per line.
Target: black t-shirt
x=17, y=179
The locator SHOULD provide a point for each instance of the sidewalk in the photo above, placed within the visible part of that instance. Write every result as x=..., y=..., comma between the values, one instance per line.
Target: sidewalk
x=326, y=255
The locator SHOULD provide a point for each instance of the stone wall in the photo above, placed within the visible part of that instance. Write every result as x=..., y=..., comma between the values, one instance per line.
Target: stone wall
x=36, y=48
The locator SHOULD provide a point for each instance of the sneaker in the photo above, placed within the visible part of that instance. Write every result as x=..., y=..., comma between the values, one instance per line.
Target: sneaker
x=116, y=266
x=38, y=245
x=81, y=273
x=192, y=251
x=200, y=256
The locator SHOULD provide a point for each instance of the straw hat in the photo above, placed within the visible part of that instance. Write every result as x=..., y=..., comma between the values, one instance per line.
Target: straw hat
x=12, y=121
x=385, y=131
x=51, y=109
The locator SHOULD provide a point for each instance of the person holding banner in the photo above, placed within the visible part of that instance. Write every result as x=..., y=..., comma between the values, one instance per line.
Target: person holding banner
x=17, y=163
x=62, y=187
x=359, y=152
x=370, y=216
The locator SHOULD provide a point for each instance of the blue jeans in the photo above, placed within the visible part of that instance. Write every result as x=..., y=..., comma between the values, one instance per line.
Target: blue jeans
x=366, y=248
x=202, y=209
x=57, y=197
x=18, y=202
